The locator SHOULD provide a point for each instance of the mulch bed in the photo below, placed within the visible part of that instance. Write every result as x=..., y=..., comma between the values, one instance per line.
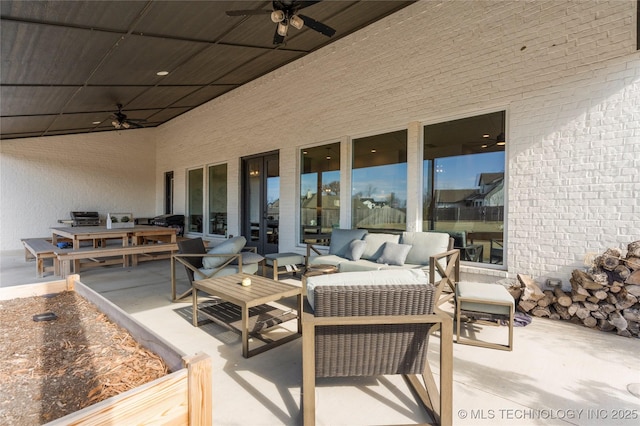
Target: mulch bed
x=49, y=369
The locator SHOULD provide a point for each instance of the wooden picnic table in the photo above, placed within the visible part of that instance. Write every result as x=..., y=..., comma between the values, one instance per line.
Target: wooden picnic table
x=136, y=235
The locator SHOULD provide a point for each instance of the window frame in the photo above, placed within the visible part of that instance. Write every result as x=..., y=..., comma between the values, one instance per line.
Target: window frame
x=321, y=240
x=207, y=201
x=351, y=168
x=424, y=217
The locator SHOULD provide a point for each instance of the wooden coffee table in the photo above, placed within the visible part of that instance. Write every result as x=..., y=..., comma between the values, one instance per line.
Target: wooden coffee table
x=261, y=291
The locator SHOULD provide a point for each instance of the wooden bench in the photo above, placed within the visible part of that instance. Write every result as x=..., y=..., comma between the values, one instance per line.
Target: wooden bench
x=64, y=257
x=39, y=249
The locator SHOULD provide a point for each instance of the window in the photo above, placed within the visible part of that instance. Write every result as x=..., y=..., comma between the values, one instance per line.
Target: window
x=218, y=199
x=168, y=193
x=195, y=184
x=379, y=182
x=464, y=165
x=319, y=192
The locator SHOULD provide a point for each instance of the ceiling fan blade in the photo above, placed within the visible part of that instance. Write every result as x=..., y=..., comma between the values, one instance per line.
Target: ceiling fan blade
x=318, y=26
x=303, y=4
x=277, y=38
x=248, y=12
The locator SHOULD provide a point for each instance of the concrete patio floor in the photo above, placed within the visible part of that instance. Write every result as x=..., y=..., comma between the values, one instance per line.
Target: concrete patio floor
x=558, y=373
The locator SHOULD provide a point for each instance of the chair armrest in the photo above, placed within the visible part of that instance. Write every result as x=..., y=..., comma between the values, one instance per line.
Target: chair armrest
x=230, y=258
x=181, y=258
x=311, y=248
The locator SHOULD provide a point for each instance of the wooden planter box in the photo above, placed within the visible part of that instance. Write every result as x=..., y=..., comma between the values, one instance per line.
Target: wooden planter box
x=181, y=397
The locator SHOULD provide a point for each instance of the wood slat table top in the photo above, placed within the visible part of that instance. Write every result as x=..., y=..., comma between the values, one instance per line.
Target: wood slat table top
x=91, y=230
x=261, y=290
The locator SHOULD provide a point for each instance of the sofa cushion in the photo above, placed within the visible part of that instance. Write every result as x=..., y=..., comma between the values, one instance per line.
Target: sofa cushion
x=424, y=245
x=341, y=238
x=327, y=259
x=437, y=277
x=355, y=250
x=394, y=254
x=227, y=270
x=359, y=265
x=375, y=244
x=478, y=293
x=230, y=246
x=404, y=276
x=248, y=258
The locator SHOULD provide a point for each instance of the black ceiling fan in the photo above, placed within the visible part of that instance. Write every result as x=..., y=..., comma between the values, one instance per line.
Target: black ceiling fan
x=285, y=13
x=120, y=120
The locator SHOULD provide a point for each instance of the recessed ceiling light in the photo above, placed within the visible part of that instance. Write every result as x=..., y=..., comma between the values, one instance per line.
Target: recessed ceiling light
x=162, y=73
x=373, y=150
x=96, y=122
x=486, y=135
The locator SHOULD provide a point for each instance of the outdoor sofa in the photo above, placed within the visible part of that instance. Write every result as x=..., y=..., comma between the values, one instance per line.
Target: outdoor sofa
x=352, y=250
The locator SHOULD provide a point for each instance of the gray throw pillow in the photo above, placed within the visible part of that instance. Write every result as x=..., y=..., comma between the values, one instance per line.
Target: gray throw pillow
x=355, y=250
x=394, y=254
x=230, y=246
x=340, y=239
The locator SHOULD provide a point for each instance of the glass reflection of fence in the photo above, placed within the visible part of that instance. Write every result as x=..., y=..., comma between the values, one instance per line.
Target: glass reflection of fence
x=476, y=214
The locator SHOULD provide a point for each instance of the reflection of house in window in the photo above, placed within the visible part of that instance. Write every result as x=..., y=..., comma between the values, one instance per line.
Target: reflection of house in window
x=328, y=212
x=446, y=198
x=484, y=203
x=490, y=192
x=492, y=189
x=273, y=210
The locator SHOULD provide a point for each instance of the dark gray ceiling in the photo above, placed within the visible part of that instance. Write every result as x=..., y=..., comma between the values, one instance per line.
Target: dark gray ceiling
x=67, y=64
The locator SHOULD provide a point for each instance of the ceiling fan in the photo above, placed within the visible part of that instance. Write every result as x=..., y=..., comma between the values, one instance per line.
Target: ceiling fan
x=285, y=13
x=120, y=120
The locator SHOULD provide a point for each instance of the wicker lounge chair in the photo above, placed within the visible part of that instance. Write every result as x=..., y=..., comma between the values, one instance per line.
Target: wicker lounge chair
x=371, y=330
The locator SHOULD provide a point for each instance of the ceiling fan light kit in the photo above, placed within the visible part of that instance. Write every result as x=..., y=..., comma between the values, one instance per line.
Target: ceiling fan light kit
x=120, y=120
x=285, y=13
x=277, y=16
x=297, y=22
x=283, y=28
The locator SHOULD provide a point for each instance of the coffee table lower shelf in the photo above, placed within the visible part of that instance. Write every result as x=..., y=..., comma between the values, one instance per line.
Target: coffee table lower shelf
x=245, y=309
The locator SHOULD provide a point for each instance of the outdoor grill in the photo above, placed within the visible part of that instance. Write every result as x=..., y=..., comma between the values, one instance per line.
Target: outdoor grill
x=170, y=221
x=85, y=219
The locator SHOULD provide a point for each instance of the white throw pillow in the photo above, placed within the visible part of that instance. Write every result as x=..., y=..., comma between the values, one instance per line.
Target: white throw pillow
x=394, y=254
x=375, y=243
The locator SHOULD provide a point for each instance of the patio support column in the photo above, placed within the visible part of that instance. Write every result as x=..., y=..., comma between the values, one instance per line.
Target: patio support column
x=414, y=176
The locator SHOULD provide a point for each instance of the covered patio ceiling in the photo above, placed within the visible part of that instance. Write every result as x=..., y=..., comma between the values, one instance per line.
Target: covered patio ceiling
x=66, y=65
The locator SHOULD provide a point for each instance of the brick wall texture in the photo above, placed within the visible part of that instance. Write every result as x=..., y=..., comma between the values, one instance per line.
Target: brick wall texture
x=566, y=72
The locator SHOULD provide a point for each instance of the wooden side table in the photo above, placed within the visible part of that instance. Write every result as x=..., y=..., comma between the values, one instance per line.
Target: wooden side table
x=312, y=270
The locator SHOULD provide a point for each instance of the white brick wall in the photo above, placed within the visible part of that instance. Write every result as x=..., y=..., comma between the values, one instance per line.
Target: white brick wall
x=44, y=179
x=566, y=72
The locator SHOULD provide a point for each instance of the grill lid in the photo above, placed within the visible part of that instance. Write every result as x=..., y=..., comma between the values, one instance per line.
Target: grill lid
x=85, y=218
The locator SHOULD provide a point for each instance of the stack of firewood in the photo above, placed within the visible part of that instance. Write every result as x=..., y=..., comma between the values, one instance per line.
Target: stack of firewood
x=606, y=296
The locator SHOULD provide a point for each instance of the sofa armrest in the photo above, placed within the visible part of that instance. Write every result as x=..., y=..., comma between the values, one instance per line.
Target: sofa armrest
x=311, y=248
x=450, y=274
